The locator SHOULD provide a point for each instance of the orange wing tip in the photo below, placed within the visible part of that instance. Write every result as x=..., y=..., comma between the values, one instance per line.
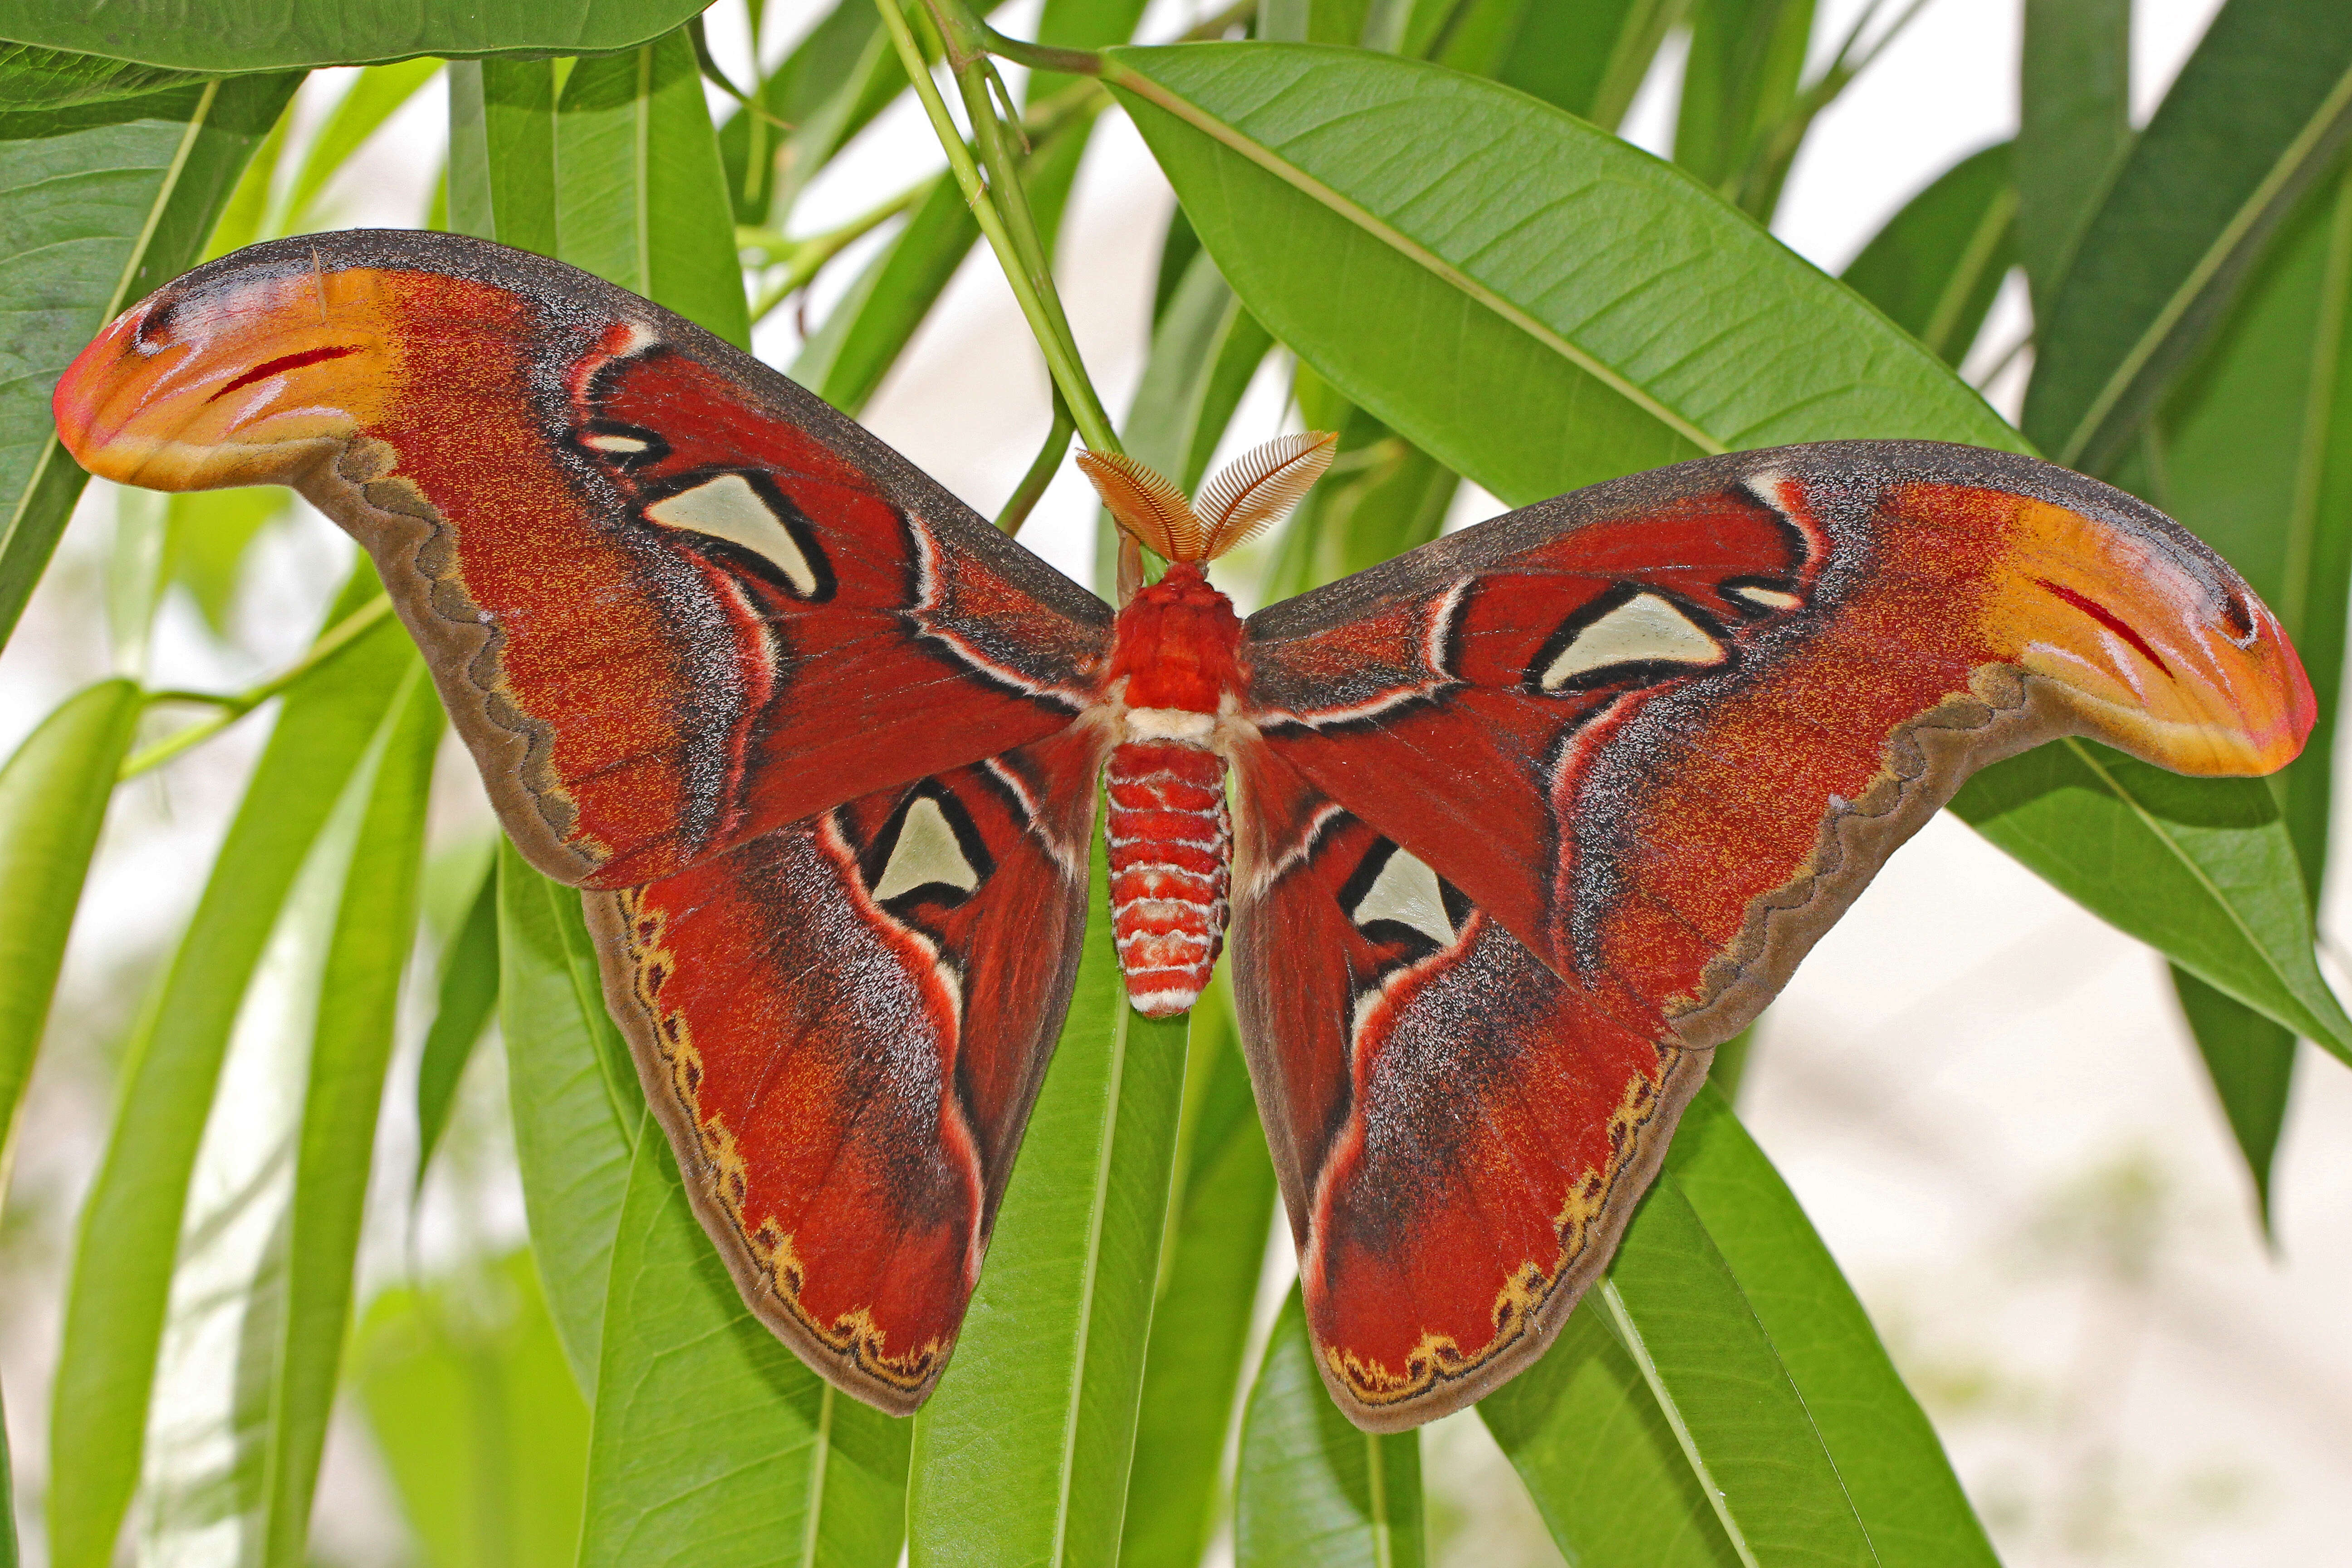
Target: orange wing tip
x=2156, y=646
x=1254, y=490
x=1146, y=505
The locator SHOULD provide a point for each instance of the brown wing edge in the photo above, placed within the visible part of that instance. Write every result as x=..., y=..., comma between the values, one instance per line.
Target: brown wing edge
x=410, y=542
x=1926, y=760
x=838, y=1364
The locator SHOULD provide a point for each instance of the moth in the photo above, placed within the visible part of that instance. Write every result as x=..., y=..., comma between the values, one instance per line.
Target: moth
x=1505, y=834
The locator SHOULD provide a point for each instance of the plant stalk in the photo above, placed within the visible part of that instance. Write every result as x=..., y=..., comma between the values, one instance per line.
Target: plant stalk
x=235, y=705
x=1031, y=287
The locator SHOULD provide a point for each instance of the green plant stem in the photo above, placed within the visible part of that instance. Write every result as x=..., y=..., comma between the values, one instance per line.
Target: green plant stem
x=1042, y=470
x=235, y=705
x=1032, y=290
x=803, y=258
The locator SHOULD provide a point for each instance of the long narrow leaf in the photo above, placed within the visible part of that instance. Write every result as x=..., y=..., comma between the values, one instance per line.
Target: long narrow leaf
x=1600, y=1459
x=502, y=152
x=53, y=798
x=1021, y=1456
x=712, y=1445
x=1589, y=56
x=575, y=1098
x=98, y=204
x=1199, y=1329
x=470, y=1403
x=1534, y=302
x=359, y=996
x=131, y=1222
x=846, y=358
x=205, y=1475
x=350, y=32
x=2073, y=127
x=373, y=96
x=2201, y=869
x=2256, y=455
x=468, y=995
x=641, y=199
x=1313, y=1492
x=2253, y=118
x=1935, y=267
x=1766, y=1374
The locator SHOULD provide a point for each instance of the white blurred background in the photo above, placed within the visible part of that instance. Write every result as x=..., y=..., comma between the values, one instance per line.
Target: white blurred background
x=1985, y=1099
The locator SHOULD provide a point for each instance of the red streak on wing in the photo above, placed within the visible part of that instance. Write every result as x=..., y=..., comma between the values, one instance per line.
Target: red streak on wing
x=2108, y=619
x=283, y=363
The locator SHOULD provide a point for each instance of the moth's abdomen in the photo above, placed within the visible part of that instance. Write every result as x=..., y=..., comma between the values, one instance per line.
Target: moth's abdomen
x=1170, y=857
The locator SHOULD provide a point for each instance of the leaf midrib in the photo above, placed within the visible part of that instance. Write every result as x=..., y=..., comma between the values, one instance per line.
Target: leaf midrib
x=1258, y=153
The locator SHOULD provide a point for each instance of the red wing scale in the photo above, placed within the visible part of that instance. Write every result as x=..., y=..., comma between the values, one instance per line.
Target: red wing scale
x=1648, y=742
x=842, y=1025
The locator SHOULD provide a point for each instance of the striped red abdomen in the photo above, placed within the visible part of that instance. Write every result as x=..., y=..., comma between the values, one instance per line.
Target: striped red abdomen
x=1171, y=859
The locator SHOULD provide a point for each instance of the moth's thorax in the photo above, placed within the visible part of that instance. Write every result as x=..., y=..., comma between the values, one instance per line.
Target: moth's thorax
x=1177, y=645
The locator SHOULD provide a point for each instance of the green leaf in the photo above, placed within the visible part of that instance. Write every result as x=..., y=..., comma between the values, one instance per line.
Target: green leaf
x=2200, y=869
x=2074, y=128
x=574, y=1098
x=53, y=798
x=1935, y=266
x=1767, y=1374
x=468, y=995
x=1022, y=1454
x=1600, y=1460
x=1200, y=1327
x=640, y=198
x=712, y=1443
x=283, y=33
x=502, y=152
x=846, y=358
x=1496, y=243
x=823, y=69
x=1768, y=1368
x=359, y=996
x=472, y=1406
x=1747, y=58
x=1385, y=497
x=2251, y=121
x=54, y=79
x=1587, y=57
x=2250, y=1061
x=1313, y=1492
x=372, y=99
x=129, y=1224
x=1205, y=349
x=2253, y=451
x=100, y=205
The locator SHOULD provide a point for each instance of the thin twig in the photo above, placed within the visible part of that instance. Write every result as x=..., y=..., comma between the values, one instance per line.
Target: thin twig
x=803, y=258
x=1047, y=463
x=234, y=706
x=1032, y=292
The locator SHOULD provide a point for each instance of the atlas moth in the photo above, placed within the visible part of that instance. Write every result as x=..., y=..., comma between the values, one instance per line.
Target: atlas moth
x=1513, y=829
